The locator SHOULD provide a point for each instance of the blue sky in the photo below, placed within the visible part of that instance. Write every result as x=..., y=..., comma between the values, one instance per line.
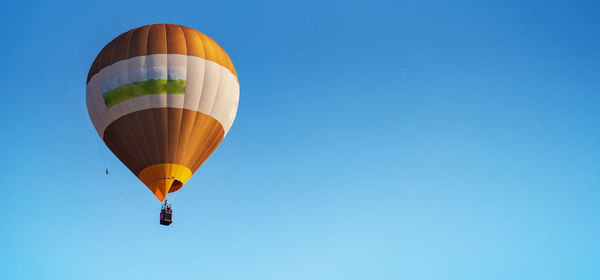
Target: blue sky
x=374, y=140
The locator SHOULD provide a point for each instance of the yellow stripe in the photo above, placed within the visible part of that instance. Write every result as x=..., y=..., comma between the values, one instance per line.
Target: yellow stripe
x=159, y=177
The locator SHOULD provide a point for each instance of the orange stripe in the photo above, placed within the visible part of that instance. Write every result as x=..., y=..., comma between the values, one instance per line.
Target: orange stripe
x=163, y=135
x=160, y=39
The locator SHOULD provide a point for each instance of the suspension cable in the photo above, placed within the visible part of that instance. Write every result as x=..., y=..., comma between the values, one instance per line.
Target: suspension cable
x=114, y=182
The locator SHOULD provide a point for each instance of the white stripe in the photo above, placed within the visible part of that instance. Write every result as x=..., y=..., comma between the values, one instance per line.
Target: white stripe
x=210, y=88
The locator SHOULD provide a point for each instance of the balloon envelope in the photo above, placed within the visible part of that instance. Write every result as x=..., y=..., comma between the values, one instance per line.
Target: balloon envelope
x=162, y=97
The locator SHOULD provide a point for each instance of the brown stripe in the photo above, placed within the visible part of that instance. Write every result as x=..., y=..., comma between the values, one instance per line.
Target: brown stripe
x=121, y=47
x=163, y=135
x=157, y=39
x=175, y=44
x=137, y=45
x=160, y=39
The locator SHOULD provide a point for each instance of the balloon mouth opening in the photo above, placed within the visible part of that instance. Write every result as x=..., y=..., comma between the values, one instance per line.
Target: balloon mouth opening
x=164, y=178
x=175, y=186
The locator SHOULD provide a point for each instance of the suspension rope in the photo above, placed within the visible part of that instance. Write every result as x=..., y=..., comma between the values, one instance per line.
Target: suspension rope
x=114, y=182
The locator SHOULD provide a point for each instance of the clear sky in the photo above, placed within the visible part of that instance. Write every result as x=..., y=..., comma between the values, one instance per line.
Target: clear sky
x=374, y=140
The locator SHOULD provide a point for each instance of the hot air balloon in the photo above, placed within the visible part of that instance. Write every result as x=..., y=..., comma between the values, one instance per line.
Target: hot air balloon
x=162, y=97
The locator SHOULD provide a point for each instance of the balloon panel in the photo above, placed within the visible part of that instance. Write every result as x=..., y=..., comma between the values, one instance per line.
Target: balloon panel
x=162, y=97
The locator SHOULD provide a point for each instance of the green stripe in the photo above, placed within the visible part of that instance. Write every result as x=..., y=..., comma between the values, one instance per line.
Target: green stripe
x=125, y=92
